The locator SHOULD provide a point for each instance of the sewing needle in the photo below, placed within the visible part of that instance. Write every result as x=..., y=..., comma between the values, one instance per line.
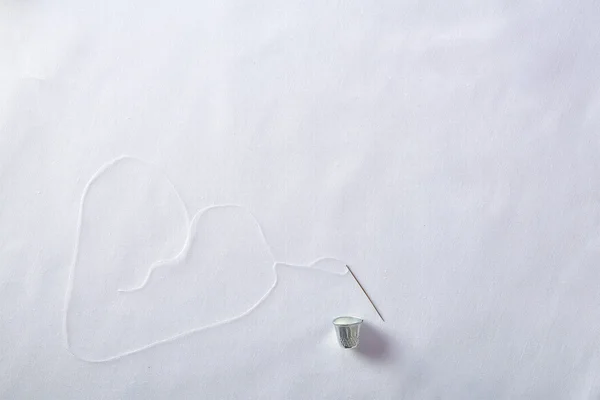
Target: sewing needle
x=365, y=292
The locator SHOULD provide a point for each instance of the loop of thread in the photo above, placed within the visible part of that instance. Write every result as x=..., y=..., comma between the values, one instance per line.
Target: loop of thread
x=181, y=255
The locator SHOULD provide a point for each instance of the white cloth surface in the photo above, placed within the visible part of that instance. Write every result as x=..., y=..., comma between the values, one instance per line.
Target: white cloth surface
x=448, y=151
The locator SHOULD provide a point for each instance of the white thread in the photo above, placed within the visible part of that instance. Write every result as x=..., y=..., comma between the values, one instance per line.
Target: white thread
x=181, y=255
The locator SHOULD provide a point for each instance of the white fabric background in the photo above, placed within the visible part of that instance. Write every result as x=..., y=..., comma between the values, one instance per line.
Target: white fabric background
x=449, y=151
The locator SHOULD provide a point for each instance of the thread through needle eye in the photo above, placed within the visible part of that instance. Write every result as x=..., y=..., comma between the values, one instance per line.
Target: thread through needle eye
x=365, y=292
